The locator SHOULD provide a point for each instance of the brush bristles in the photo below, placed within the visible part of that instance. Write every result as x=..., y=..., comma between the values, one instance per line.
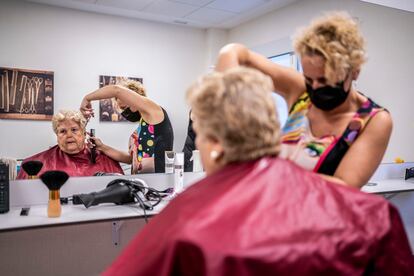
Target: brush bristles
x=54, y=179
x=32, y=167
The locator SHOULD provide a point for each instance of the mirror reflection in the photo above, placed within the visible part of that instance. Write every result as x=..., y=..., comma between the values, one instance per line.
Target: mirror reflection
x=169, y=58
x=71, y=154
x=153, y=134
x=78, y=156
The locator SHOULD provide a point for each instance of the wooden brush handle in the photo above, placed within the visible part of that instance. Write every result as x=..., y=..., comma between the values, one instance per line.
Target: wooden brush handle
x=54, y=208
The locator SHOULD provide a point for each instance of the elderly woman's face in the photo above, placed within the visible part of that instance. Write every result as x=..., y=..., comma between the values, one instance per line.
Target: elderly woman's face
x=70, y=137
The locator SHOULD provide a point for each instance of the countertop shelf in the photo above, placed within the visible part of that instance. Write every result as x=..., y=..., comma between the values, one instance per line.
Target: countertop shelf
x=32, y=194
x=386, y=186
x=72, y=214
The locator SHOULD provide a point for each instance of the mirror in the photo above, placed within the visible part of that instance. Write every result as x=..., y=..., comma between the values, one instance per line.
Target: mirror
x=170, y=57
x=80, y=153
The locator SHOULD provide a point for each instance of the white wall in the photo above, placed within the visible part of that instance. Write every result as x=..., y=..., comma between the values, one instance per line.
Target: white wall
x=386, y=77
x=80, y=46
x=216, y=39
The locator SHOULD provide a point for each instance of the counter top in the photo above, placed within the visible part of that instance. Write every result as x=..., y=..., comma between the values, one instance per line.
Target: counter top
x=72, y=214
x=34, y=194
x=385, y=186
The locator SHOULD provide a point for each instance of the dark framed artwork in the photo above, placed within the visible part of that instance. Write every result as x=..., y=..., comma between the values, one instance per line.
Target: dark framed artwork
x=107, y=108
x=26, y=94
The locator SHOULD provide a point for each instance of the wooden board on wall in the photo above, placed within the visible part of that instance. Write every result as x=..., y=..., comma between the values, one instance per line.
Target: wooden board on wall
x=26, y=94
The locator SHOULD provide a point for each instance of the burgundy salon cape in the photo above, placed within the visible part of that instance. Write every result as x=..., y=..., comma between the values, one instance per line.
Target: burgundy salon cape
x=270, y=217
x=73, y=164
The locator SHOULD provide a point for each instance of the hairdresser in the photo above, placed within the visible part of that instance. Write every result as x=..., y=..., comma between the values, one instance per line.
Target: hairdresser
x=332, y=128
x=153, y=134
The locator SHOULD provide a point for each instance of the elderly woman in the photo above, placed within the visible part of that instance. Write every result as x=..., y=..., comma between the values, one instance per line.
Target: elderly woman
x=255, y=213
x=71, y=153
x=153, y=135
x=332, y=128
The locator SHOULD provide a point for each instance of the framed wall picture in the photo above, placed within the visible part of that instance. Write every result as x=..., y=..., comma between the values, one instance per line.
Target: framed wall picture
x=107, y=108
x=26, y=94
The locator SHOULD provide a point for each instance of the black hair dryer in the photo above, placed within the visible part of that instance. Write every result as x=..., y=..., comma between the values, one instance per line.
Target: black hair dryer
x=118, y=193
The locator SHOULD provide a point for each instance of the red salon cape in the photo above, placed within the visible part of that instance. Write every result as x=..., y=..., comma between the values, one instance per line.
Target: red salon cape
x=270, y=217
x=73, y=164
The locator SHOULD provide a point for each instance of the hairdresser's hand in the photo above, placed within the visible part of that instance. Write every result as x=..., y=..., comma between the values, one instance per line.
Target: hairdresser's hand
x=94, y=142
x=86, y=109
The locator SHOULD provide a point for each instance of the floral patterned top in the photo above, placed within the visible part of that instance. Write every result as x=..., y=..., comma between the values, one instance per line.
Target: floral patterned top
x=320, y=154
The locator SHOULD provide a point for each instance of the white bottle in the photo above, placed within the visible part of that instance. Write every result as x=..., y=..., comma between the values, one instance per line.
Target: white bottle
x=197, y=165
x=179, y=172
x=169, y=161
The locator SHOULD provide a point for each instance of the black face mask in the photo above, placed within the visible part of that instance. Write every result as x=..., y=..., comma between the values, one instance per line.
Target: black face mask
x=327, y=97
x=131, y=116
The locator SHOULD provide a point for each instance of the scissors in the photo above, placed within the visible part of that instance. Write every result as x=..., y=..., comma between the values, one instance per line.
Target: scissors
x=27, y=100
x=32, y=108
x=38, y=82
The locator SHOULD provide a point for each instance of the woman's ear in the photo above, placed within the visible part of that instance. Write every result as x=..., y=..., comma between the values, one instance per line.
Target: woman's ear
x=217, y=151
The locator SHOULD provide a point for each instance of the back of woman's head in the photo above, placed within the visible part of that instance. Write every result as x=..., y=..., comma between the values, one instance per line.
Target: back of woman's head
x=236, y=109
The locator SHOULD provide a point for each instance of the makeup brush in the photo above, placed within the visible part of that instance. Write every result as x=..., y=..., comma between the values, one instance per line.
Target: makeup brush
x=54, y=180
x=32, y=168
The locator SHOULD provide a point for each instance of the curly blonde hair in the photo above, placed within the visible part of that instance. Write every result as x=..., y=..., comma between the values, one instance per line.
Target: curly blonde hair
x=236, y=108
x=337, y=38
x=133, y=85
x=64, y=115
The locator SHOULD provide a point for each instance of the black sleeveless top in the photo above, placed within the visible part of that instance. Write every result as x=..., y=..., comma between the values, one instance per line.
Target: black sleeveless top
x=151, y=141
